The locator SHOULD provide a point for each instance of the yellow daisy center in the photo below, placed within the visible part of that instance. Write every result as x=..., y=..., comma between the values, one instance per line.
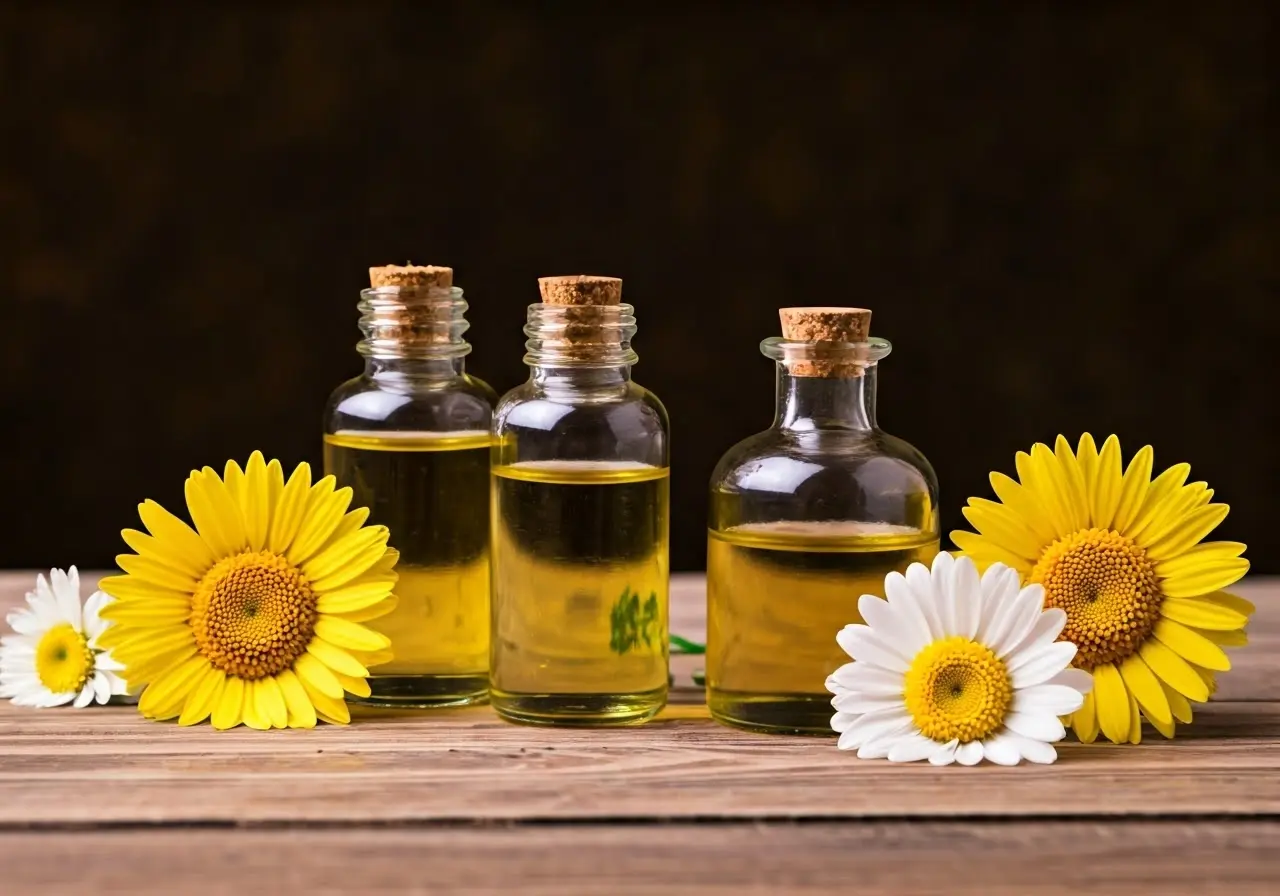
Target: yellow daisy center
x=64, y=661
x=253, y=614
x=957, y=689
x=1109, y=590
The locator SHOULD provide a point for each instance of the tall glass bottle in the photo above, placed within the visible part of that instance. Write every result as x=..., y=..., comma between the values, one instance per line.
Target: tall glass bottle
x=805, y=518
x=410, y=436
x=580, y=520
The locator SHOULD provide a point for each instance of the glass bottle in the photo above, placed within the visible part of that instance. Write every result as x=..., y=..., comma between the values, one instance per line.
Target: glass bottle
x=410, y=436
x=805, y=517
x=580, y=520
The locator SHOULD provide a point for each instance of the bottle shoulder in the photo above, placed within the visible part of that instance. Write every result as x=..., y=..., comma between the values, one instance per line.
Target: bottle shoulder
x=624, y=423
x=531, y=407
x=461, y=403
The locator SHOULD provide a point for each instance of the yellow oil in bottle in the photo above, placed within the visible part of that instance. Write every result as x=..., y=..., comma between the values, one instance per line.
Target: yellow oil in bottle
x=580, y=579
x=432, y=491
x=777, y=594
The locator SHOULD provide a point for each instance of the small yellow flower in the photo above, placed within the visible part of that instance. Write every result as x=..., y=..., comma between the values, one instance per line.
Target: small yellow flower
x=1124, y=555
x=254, y=615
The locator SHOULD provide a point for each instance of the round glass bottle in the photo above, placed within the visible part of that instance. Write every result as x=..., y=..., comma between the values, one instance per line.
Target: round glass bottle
x=806, y=517
x=580, y=520
x=410, y=437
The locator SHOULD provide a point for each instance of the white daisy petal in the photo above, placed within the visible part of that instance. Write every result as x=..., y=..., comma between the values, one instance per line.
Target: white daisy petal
x=24, y=622
x=867, y=679
x=841, y=721
x=966, y=597
x=1057, y=699
x=1041, y=726
x=944, y=754
x=848, y=741
x=43, y=603
x=1001, y=749
x=879, y=747
x=912, y=748
x=861, y=643
x=1045, y=630
x=894, y=630
x=84, y=698
x=1034, y=750
x=1038, y=666
x=1023, y=613
x=862, y=703
x=1076, y=679
x=68, y=601
x=882, y=722
x=941, y=574
x=903, y=602
x=970, y=753
x=921, y=583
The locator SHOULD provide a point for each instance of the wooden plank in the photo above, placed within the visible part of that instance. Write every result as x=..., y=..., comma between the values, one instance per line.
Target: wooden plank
x=61, y=767
x=873, y=859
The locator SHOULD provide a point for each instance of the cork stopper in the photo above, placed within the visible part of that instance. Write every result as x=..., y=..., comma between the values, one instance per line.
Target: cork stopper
x=418, y=276
x=826, y=325
x=420, y=316
x=580, y=289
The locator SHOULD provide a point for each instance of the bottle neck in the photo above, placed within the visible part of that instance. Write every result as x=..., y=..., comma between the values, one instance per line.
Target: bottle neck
x=413, y=334
x=808, y=403
x=585, y=348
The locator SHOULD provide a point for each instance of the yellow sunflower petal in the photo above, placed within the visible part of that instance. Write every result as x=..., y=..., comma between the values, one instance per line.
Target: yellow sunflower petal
x=331, y=709
x=1202, y=614
x=149, y=613
x=143, y=671
x=1000, y=526
x=1170, y=513
x=1104, y=498
x=1191, y=646
x=255, y=508
x=180, y=538
x=1209, y=566
x=1210, y=680
x=358, y=686
x=271, y=703
x=325, y=510
x=1038, y=473
x=234, y=479
x=302, y=712
x=1071, y=484
x=229, y=710
x=1190, y=530
x=146, y=642
x=1164, y=727
x=166, y=694
x=127, y=588
x=1023, y=505
x=1179, y=705
x=374, y=611
x=983, y=553
x=337, y=659
x=155, y=573
x=351, y=635
x=1085, y=720
x=376, y=658
x=253, y=718
x=1232, y=601
x=215, y=514
x=316, y=676
x=1133, y=489
x=1135, y=721
x=1235, y=638
x=1157, y=501
x=203, y=697
x=365, y=592
x=348, y=559
x=1173, y=670
x=1087, y=460
x=1112, y=699
x=286, y=516
x=1145, y=687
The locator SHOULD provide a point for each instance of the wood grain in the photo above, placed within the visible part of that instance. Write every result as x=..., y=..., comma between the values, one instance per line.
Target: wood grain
x=872, y=859
x=107, y=765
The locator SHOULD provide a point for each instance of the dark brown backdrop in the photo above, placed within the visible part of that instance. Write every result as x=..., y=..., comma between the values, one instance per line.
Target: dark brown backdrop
x=1064, y=219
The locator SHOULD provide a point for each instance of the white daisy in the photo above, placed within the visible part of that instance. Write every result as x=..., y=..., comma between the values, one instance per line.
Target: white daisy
x=53, y=656
x=953, y=668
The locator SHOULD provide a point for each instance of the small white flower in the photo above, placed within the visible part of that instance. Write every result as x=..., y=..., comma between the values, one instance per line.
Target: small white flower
x=953, y=668
x=53, y=656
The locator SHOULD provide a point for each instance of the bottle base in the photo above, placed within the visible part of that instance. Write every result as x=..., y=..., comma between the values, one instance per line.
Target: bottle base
x=579, y=710
x=425, y=691
x=772, y=713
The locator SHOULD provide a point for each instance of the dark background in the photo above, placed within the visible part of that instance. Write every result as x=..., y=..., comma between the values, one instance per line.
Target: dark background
x=1064, y=218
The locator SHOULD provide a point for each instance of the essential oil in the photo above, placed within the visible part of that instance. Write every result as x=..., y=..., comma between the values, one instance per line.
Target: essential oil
x=411, y=438
x=805, y=518
x=580, y=520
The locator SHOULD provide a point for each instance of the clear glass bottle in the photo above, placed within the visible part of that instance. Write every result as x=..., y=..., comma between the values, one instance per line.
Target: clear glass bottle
x=410, y=436
x=805, y=518
x=580, y=520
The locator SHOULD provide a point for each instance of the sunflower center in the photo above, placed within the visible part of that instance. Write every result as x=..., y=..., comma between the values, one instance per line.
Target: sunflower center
x=253, y=614
x=1109, y=590
x=64, y=661
x=957, y=689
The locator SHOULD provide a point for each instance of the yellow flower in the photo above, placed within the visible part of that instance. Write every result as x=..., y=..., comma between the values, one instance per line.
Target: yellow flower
x=1123, y=554
x=254, y=615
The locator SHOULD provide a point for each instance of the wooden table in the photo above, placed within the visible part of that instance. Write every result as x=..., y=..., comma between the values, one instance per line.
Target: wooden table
x=457, y=801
